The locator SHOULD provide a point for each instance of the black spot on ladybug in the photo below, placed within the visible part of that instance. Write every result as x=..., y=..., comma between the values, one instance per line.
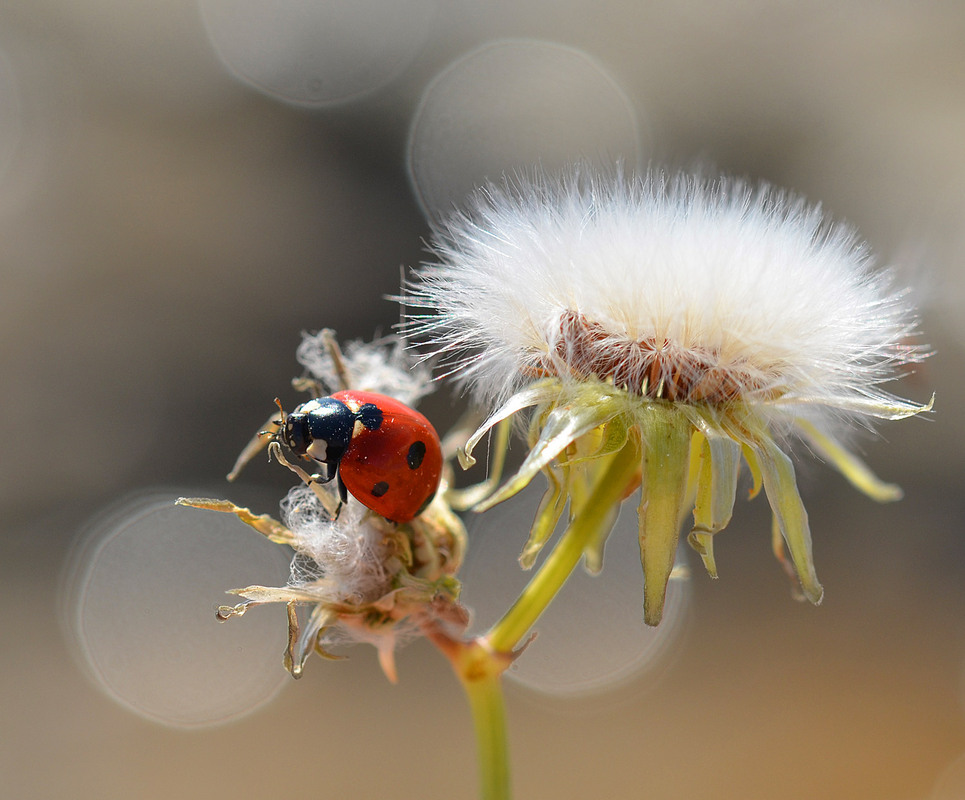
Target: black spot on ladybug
x=380, y=489
x=417, y=451
x=370, y=415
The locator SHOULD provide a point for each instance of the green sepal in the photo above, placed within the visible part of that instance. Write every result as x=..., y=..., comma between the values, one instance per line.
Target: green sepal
x=750, y=458
x=547, y=515
x=613, y=437
x=535, y=394
x=716, y=490
x=666, y=436
x=593, y=552
x=890, y=408
x=462, y=499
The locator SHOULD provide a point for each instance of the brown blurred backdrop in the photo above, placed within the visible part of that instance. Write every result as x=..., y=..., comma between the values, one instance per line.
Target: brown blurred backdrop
x=166, y=232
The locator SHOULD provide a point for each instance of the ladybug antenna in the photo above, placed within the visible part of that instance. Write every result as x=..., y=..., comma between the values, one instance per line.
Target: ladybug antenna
x=281, y=419
x=276, y=426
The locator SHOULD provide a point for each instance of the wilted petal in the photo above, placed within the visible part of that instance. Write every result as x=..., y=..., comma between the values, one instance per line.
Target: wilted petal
x=537, y=393
x=564, y=425
x=281, y=594
x=848, y=464
x=306, y=641
x=782, y=494
x=266, y=525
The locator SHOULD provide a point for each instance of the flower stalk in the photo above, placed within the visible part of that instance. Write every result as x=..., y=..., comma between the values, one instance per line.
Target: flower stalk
x=479, y=670
x=613, y=478
x=484, y=689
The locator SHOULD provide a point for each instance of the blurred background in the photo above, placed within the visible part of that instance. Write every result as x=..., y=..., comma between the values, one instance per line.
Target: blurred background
x=185, y=186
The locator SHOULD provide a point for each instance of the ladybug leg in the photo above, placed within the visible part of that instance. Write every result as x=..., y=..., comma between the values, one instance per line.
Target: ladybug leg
x=324, y=496
x=325, y=474
x=342, y=498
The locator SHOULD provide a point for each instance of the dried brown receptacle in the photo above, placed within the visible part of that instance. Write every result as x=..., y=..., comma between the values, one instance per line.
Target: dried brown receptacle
x=659, y=370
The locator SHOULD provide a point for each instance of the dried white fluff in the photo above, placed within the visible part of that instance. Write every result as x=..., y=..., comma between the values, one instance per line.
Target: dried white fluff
x=347, y=556
x=753, y=274
x=382, y=366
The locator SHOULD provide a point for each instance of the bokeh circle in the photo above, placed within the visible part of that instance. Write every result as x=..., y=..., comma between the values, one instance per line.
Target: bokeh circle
x=510, y=106
x=317, y=53
x=139, y=604
x=592, y=638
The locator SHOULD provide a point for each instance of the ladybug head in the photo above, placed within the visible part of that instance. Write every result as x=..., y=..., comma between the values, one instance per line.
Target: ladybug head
x=295, y=434
x=319, y=430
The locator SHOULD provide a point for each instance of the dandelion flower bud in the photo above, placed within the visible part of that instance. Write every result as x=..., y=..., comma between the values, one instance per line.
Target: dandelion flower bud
x=663, y=330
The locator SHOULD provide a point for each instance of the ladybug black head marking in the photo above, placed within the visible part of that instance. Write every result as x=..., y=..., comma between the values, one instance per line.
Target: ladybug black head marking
x=370, y=415
x=295, y=434
x=320, y=430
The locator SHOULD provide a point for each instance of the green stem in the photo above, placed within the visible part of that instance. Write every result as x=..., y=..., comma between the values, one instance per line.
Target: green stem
x=480, y=663
x=480, y=670
x=485, y=693
x=607, y=491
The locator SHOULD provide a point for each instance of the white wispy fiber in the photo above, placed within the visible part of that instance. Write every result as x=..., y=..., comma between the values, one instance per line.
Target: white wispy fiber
x=749, y=281
x=383, y=366
x=346, y=559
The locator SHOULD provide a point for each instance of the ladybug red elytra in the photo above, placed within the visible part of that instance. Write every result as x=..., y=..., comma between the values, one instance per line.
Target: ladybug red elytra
x=387, y=455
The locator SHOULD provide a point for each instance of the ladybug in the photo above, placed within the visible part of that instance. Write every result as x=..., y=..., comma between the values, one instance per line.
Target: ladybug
x=385, y=454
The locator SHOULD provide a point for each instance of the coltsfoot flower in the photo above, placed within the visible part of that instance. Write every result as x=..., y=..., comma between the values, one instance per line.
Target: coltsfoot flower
x=663, y=330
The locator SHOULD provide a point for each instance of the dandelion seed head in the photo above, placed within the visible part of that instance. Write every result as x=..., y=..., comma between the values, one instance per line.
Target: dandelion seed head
x=675, y=287
x=662, y=330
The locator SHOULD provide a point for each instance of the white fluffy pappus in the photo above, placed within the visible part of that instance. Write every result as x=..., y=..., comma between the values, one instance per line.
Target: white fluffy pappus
x=702, y=289
x=346, y=559
x=662, y=331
